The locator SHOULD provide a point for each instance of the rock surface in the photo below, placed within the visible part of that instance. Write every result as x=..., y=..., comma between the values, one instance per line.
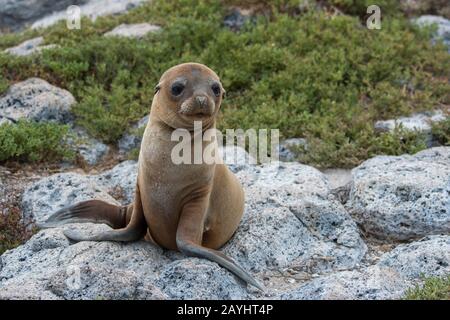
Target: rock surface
x=237, y=159
x=54, y=192
x=371, y=283
x=428, y=257
x=404, y=197
x=443, y=27
x=36, y=99
x=396, y=271
x=120, y=179
x=138, y=30
x=132, y=139
x=16, y=14
x=29, y=47
x=89, y=8
x=420, y=122
x=284, y=226
x=290, y=148
x=295, y=237
x=194, y=278
x=91, y=150
x=83, y=271
x=237, y=18
x=338, y=177
x=292, y=220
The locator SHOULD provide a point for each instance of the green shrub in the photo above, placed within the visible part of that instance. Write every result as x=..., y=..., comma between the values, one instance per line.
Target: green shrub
x=3, y=85
x=107, y=114
x=34, y=142
x=366, y=145
x=433, y=288
x=8, y=40
x=323, y=77
x=441, y=131
x=359, y=7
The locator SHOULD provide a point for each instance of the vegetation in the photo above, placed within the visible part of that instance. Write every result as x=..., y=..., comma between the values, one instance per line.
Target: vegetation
x=13, y=231
x=433, y=288
x=314, y=73
x=34, y=142
x=441, y=130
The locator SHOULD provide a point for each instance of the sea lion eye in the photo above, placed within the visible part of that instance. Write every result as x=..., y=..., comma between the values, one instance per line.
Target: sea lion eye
x=216, y=89
x=177, y=88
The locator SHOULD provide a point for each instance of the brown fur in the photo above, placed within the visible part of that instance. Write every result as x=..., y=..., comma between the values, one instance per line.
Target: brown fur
x=194, y=208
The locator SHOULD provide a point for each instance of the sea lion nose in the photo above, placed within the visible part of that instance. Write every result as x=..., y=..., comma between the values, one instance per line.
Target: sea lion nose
x=201, y=100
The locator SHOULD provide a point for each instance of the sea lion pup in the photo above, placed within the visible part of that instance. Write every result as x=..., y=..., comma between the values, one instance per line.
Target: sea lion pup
x=194, y=208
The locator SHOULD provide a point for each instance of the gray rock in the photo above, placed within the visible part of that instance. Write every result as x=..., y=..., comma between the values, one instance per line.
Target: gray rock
x=90, y=149
x=199, y=279
x=29, y=47
x=403, y=197
x=429, y=257
x=293, y=179
x=24, y=288
x=39, y=254
x=102, y=283
x=132, y=139
x=373, y=283
x=439, y=155
x=16, y=14
x=290, y=148
x=420, y=122
x=342, y=193
x=291, y=220
x=237, y=18
x=138, y=30
x=51, y=268
x=121, y=178
x=338, y=177
x=236, y=158
x=340, y=182
x=50, y=194
x=5, y=121
x=443, y=27
x=89, y=8
x=395, y=272
x=36, y=99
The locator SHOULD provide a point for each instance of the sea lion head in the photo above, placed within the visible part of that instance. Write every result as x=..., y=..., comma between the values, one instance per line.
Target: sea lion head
x=186, y=93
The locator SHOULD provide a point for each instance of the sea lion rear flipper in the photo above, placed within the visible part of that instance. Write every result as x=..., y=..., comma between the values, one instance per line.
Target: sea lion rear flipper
x=198, y=251
x=94, y=211
x=134, y=230
x=189, y=237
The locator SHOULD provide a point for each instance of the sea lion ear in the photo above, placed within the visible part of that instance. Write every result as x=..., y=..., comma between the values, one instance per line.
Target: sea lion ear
x=224, y=93
x=157, y=87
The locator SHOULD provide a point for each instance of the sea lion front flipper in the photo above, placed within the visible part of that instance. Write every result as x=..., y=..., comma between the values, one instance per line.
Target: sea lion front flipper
x=135, y=230
x=189, y=238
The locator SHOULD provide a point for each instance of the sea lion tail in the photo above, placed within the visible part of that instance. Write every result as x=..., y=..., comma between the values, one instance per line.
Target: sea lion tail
x=194, y=250
x=94, y=211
